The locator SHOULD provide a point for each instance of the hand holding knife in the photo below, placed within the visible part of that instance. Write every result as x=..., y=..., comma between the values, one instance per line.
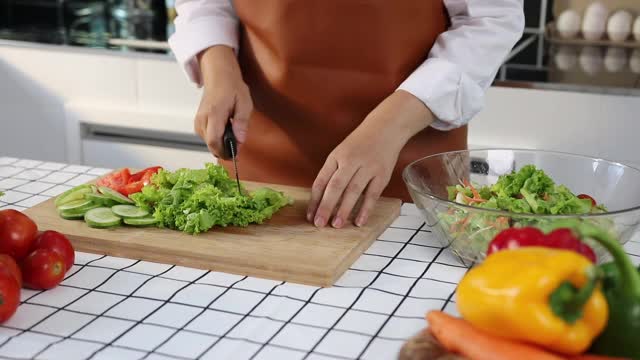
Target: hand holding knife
x=231, y=150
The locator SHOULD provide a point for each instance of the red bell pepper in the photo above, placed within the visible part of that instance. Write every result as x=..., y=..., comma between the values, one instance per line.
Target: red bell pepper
x=528, y=236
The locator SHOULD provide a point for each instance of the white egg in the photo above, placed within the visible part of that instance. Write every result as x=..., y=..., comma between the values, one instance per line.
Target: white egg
x=591, y=60
x=568, y=24
x=619, y=25
x=615, y=59
x=566, y=58
x=594, y=23
x=634, y=61
x=636, y=29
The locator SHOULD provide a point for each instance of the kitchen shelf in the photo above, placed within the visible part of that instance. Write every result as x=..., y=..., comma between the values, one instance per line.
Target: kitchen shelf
x=554, y=37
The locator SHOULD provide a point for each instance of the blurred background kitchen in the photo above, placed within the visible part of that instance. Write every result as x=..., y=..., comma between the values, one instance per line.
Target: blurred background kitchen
x=94, y=82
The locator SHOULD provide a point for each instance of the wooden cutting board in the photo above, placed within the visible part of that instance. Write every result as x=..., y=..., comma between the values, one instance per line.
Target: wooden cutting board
x=286, y=248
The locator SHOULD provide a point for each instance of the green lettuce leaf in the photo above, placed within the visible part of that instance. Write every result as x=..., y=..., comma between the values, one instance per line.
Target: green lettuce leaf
x=194, y=201
x=509, y=185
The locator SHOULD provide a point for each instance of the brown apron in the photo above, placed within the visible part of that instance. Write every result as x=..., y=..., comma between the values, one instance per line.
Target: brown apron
x=316, y=68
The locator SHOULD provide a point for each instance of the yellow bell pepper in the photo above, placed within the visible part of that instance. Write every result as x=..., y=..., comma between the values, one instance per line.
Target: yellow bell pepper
x=543, y=296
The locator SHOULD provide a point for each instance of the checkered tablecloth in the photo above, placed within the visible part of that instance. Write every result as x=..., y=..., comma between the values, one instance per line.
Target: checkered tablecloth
x=116, y=308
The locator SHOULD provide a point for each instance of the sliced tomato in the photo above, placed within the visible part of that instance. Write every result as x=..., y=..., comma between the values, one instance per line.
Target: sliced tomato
x=139, y=180
x=116, y=180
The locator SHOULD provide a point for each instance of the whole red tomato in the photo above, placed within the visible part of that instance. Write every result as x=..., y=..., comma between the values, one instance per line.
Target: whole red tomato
x=59, y=243
x=7, y=263
x=43, y=269
x=9, y=295
x=17, y=233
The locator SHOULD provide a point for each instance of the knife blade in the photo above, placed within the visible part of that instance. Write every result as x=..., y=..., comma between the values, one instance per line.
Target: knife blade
x=230, y=148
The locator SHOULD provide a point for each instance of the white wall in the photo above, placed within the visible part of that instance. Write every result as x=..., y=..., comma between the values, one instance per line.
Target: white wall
x=44, y=89
x=602, y=126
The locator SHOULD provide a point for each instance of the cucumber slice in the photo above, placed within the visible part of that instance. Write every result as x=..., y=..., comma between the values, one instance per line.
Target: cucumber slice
x=71, y=215
x=143, y=221
x=76, y=205
x=76, y=193
x=101, y=217
x=100, y=199
x=129, y=211
x=114, y=195
x=74, y=214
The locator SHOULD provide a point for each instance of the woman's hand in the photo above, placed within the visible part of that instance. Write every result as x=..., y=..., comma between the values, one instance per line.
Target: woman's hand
x=363, y=163
x=225, y=97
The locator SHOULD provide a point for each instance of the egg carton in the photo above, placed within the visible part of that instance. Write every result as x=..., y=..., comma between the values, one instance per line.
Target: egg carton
x=596, y=23
x=581, y=5
x=553, y=36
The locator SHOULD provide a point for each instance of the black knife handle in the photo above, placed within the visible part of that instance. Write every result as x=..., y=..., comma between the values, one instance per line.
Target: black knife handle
x=228, y=140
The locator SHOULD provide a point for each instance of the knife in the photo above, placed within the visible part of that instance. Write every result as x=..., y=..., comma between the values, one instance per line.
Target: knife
x=230, y=149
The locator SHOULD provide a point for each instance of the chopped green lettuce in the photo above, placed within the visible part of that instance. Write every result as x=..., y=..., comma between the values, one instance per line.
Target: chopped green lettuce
x=194, y=201
x=527, y=191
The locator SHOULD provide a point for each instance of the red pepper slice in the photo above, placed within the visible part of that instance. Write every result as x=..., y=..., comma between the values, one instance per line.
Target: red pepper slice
x=139, y=180
x=131, y=188
x=513, y=238
x=143, y=173
x=585, y=196
x=125, y=183
x=116, y=180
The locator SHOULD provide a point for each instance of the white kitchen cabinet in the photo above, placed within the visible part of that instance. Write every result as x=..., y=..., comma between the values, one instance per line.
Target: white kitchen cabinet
x=113, y=154
x=49, y=95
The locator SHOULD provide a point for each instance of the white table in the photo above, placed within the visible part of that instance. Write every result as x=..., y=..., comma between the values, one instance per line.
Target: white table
x=116, y=308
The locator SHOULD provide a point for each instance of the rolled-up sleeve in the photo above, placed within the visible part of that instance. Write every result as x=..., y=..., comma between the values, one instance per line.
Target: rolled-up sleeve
x=465, y=59
x=199, y=25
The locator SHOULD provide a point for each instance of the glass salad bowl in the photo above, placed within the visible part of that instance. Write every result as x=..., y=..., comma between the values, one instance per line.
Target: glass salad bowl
x=467, y=229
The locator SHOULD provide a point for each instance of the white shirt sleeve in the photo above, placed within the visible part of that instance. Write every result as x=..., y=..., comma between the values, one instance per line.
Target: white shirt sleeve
x=451, y=82
x=199, y=25
x=465, y=59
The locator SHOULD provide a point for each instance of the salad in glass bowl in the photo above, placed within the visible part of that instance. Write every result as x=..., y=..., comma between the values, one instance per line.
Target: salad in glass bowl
x=468, y=197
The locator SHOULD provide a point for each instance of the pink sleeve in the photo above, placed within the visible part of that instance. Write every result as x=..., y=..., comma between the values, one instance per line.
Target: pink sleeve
x=199, y=25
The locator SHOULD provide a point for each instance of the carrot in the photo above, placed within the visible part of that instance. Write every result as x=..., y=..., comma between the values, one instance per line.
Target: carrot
x=459, y=336
x=476, y=195
x=460, y=224
x=475, y=192
x=502, y=221
x=473, y=199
